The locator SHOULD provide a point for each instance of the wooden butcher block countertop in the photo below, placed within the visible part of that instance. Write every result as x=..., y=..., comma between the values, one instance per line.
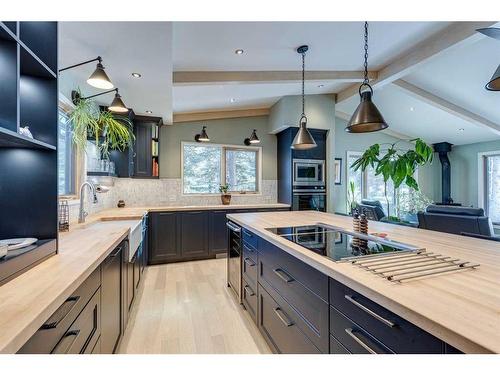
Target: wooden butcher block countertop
x=461, y=308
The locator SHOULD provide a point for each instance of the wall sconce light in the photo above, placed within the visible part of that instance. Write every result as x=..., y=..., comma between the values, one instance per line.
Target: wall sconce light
x=203, y=136
x=98, y=78
x=253, y=139
x=116, y=105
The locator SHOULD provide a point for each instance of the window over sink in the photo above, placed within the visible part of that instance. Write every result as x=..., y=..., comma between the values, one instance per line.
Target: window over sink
x=207, y=166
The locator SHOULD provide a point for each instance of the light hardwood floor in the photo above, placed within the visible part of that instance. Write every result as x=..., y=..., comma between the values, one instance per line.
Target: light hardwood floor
x=186, y=308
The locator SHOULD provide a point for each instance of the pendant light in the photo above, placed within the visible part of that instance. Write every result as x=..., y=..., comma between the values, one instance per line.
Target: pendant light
x=98, y=78
x=203, y=136
x=253, y=139
x=303, y=140
x=494, y=83
x=366, y=117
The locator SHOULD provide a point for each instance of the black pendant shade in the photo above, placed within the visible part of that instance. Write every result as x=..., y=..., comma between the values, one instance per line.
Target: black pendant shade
x=303, y=139
x=494, y=83
x=99, y=78
x=366, y=118
x=203, y=136
x=117, y=104
x=492, y=32
x=253, y=139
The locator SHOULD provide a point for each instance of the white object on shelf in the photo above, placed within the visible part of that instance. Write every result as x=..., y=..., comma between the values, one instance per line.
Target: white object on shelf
x=25, y=130
x=17, y=243
x=3, y=250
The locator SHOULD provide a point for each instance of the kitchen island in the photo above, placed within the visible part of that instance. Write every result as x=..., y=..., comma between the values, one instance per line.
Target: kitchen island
x=460, y=308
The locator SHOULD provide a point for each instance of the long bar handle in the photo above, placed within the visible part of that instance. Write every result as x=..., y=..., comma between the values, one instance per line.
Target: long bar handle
x=283, y=317
x=74, y=334
x=365, y=346
x=70, y=303
x=249, y=291
x=249, y=261
x=283, y=275
x=234, y=228
x=368, y=311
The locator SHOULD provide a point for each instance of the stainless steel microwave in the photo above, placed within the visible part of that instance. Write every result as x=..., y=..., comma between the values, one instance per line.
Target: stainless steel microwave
x=308, y=172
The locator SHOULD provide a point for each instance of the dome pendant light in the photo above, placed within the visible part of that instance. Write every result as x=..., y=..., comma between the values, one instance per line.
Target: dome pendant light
x=203, y=136
x=303, y=140
x=253, y=139
x=366, y=118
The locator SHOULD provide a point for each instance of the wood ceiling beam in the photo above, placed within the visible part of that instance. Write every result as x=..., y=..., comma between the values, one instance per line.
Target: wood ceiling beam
x=258, y=77
x=458, y=33
x=392, y=133
x=447, y=106
x=217, y=115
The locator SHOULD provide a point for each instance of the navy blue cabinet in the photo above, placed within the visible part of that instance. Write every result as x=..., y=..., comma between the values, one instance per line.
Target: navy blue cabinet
x=301, y=310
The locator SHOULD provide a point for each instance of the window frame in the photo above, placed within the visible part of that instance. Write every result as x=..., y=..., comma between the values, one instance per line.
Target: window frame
x=222, y=173
x=482, y=181
x=66, y=106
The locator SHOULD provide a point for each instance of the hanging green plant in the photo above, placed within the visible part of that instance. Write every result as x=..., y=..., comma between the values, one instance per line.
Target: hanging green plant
x=396, y=164
x=110, y=131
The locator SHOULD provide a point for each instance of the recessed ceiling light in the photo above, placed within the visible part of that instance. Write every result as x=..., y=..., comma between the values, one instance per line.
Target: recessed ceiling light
x=149, y=112
x=461, y=129
x=412, y=109
x=320, y=86
x=136, y=75
x=232, y=100
x=239, y=51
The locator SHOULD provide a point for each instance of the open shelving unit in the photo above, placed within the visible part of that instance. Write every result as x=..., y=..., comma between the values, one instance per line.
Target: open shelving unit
x=28, y=173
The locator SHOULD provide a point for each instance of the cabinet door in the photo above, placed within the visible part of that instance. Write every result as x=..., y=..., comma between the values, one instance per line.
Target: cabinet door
x=164, y=240
x=111, y=301
x=130, y=282
x=194, y=234
x=218, y=232
x=143, y=162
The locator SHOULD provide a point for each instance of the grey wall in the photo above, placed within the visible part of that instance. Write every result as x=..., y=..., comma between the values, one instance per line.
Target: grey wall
x=320, y=111
x=225, y=131
x=464, y=173
x=360, y=142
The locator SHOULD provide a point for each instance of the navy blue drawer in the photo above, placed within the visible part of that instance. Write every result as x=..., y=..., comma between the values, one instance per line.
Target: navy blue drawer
x=336, y=347
x=306, y=275
x=351, y=336
x=250, y=238
x=396, y=333
x=250, y=252
x=282, y=328
x=249, y=298
x=249, y=267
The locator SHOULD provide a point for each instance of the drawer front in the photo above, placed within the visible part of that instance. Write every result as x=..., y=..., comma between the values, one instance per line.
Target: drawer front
x=249, y=297
x=309, y=277
x=51, y=332
x=85, y=330
x=250, y=252
x=336, y=347
x=280, y=326
x=355, y=339
x=249, y=268
x=249, y=238
x=96, y=349
x=396, y=333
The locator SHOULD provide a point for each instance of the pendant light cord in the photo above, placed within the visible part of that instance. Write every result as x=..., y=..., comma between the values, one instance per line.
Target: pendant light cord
x=303, y=84
x=366, y=80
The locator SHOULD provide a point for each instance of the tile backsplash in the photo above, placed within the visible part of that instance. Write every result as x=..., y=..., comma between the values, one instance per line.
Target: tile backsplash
x=166, y=192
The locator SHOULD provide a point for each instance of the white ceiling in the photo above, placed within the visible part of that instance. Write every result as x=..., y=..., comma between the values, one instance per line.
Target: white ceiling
x=126, y=47
x=459, y=75
x=424, y=121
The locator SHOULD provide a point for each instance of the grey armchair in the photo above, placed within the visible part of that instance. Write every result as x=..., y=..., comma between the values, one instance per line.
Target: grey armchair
x=372, y=209
x=456, y=220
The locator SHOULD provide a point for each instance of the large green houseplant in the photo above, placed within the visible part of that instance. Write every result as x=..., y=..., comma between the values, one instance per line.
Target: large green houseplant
x=110, y=131
x=396, y=164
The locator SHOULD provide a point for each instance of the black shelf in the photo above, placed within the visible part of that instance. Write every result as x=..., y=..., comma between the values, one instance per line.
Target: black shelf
x=8, y=79
x=9, y=138
x=39, y=38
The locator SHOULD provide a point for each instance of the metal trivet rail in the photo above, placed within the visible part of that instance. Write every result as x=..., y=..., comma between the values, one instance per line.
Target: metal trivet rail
x=409, y=264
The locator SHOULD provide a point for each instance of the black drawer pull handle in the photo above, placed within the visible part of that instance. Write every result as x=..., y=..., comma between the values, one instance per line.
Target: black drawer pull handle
x=74, y=334
x=368, y=311
x=247, y=233
x=283, y=275
x=283, y=317
x=117, y=251
x=63, y=312
x=352, y=334
x=250, y=262
x=249, y=291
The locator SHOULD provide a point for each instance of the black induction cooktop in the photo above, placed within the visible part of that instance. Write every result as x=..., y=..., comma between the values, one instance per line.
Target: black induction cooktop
x=336, y=243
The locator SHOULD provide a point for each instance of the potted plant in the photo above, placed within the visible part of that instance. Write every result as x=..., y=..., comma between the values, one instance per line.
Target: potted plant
x=351, y=197
x=396, y=164
x=110, y=131
x=225, y=196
